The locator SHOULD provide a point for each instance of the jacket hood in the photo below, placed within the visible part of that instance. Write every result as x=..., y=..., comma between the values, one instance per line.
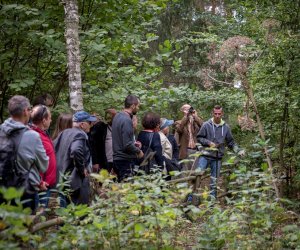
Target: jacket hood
x=11, y=125
x=220, y=124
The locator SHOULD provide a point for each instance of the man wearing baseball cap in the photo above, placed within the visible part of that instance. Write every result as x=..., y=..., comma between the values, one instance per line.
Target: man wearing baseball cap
x=73, y=157
x=165, y=143
x=171, y=163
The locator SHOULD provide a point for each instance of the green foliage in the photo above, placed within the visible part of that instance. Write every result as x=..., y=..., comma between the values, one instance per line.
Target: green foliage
x=252, y=218
x=137, y=214
x=14, y=221
x=146, y=213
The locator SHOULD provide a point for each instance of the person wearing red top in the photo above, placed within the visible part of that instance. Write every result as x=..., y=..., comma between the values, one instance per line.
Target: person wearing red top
x=41, y=120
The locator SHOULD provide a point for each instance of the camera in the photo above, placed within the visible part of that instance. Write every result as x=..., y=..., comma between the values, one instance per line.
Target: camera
x=191, y=110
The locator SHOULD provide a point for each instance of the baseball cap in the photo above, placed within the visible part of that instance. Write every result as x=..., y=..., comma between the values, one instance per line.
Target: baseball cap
x=82, y=116
x=165, y=123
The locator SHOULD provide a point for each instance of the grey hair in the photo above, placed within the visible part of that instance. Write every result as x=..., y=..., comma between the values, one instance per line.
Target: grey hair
x=17, y=104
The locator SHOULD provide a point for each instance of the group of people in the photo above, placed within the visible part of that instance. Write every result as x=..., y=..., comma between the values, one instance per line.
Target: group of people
x=81, y=144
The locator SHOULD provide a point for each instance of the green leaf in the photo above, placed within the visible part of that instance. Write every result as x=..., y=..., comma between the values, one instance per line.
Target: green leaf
x=138, y=227
x=11, y=193
x=264, y=166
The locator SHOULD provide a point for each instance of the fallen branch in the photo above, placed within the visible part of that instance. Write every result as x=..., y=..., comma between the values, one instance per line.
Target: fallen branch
x=46, y=224
x=195, y=174
x=184, y=179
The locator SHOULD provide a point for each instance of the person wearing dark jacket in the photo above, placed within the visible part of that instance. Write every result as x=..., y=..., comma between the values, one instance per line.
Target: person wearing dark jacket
x=73, y=156
x=213, y=136
x=125, y=151
x=175, y=147
x=100, y=138
x=150, y=138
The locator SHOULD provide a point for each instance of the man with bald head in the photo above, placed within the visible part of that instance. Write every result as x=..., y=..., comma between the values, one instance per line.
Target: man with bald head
x=186, y=131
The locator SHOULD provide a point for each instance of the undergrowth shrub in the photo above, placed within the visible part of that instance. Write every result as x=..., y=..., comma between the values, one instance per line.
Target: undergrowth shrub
x=251, y=217
x=139, y=214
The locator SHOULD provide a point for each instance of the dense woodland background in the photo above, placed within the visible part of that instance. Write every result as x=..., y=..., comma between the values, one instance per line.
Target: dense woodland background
x=242, y=54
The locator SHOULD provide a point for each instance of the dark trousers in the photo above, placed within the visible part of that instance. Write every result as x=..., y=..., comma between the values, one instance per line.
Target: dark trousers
x=81, y=195
x=109, y=166
x=28, y=200
x=123, y=169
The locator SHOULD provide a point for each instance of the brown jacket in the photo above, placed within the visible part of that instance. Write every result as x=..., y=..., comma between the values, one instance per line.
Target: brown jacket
x=182, y=134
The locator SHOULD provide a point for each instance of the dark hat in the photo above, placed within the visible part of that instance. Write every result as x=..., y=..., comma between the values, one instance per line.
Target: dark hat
x=165, y=123
x=82, y=116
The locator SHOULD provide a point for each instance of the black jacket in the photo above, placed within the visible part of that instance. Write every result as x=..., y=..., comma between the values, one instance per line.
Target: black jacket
x=97, y=137
x=175, y=147
x=144, y=137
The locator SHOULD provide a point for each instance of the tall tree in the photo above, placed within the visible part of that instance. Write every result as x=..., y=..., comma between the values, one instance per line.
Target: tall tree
x=73, y=53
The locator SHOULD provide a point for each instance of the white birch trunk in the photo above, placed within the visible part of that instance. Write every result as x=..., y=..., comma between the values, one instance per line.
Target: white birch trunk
x=73, y=53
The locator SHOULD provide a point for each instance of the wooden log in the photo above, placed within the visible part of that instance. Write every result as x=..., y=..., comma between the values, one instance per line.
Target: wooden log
x=46, y=224
x=184, y=179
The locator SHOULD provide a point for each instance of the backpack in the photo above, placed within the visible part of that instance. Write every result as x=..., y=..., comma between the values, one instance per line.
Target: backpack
x=9, y=144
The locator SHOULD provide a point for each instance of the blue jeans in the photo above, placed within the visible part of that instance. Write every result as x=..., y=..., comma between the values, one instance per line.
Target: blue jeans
x=215, y=167
x=42, y=198
x=63, y=201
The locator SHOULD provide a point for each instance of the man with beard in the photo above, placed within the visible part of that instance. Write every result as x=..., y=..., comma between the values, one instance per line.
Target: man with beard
x=101, y=143
x=125, y=151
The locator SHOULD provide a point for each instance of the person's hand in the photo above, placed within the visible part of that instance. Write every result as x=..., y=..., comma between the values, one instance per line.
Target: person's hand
x=43, y=186
x=140, y=154
x=212, y=145
x=96, y=168
x=86, y=173
x=138, y=144
x=194, y=114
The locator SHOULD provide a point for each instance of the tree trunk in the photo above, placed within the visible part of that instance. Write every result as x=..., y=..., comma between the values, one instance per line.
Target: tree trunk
x=73, y=54
x=261, y=131
x=213, y=7
x=284, y=126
